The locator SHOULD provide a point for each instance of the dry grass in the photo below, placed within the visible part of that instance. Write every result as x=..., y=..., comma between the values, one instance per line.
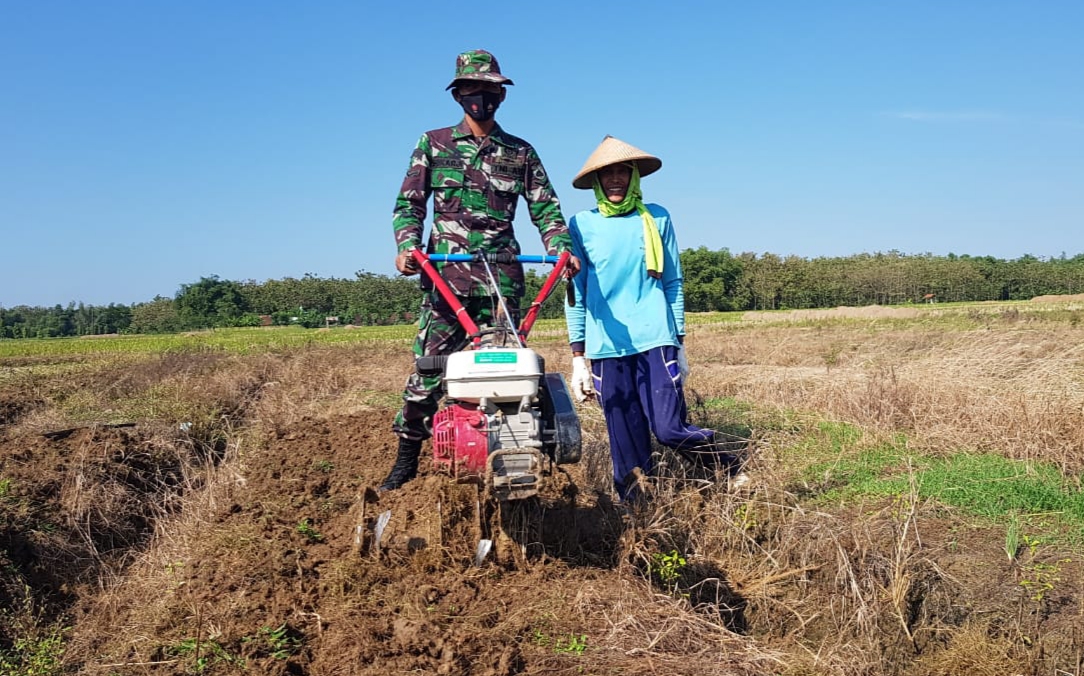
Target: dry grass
x=1018, y=392
x=769, y=584
x=151, y=597
x=267, y=391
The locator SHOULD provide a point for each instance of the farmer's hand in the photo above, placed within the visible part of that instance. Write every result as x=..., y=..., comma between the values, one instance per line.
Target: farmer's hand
x=683, y=362
x=582, y=388
x=405, y=264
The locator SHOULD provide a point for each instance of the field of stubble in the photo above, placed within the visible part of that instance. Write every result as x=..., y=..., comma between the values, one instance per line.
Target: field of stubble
x=188, y=504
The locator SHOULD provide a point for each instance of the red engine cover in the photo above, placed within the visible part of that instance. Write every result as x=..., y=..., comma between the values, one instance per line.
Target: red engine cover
x=460, y=442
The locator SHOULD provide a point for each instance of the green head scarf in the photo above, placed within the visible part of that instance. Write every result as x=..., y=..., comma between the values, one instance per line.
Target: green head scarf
x=634, y=199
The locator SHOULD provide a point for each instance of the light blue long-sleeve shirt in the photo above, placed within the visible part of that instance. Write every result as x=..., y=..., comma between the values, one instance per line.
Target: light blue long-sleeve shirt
x=619, y=309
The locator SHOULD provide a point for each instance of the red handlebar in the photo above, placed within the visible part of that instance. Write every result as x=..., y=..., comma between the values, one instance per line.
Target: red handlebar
x=461, y=312
x=543, y=294
x=446, y=293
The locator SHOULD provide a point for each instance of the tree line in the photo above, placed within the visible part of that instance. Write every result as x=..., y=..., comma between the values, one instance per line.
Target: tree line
x=715, y=280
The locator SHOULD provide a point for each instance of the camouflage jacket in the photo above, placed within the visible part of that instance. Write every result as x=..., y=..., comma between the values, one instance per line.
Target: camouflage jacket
x=475, y=186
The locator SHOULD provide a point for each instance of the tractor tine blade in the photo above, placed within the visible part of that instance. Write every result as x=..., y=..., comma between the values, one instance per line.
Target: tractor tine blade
x=378, y=530
x=359, y=528
x=483, y=551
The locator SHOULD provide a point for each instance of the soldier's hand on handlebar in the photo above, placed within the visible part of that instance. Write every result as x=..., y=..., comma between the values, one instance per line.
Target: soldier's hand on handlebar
x=405, y=264
x=572, y=267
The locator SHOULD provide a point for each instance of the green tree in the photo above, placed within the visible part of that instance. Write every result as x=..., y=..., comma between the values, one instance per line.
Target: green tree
x=155, y=316
x=763, y=279
x=711, y=279
x=210, y=302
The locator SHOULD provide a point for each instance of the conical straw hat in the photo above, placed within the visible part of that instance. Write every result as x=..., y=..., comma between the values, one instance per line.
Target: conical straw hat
x=613, y=151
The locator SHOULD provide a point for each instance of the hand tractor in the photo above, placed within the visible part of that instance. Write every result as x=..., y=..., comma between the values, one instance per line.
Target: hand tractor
x=505, y=423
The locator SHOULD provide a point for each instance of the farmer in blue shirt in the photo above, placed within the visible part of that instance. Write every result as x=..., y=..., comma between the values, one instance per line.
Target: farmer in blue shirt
x=629, y=318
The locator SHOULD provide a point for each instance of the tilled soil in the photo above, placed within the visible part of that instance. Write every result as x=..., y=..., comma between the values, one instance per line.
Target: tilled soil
x=171, y=555
x=270, y=573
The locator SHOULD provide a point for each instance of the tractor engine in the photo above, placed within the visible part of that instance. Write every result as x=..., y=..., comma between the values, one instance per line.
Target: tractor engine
x=505, y=422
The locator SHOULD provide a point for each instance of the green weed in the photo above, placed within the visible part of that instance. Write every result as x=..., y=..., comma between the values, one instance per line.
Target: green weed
x=983, y=484
x=278, y=642
x=724, y=414
x=847, y=473
x=1012, y=536
x=204, y=654
x=831, y=355
x=994, y=486
x=305, y=528
x=569, y=643
x=1040, y=578
x=540, y=638
x=745, y=518
x=829, y=443
x=668, y=567
x=34, y=654
x=1033, y=543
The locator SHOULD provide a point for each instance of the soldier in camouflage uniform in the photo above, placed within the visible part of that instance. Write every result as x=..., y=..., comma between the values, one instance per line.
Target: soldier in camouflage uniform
x=475, y=172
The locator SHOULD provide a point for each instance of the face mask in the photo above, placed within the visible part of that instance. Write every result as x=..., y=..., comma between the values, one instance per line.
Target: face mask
x=480, y=106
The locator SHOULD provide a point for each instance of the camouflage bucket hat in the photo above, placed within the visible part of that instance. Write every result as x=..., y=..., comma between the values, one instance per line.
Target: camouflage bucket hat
x=478, y=64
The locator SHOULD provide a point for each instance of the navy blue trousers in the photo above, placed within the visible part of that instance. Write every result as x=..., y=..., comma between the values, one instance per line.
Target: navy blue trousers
x=641, y=395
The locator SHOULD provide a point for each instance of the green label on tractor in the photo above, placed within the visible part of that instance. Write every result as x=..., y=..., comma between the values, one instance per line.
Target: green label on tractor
x=486, y=357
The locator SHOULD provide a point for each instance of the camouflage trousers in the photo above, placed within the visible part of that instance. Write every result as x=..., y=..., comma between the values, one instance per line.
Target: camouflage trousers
x=440, y=333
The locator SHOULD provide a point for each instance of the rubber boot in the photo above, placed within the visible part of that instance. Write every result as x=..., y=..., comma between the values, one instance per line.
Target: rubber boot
x=723, y=452
x=406, y=465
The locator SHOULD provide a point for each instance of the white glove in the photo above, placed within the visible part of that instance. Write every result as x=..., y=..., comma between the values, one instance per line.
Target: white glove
x=582, y=386
x=683, y=362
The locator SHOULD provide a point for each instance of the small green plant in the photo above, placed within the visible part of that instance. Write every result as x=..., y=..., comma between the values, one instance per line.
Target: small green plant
x=572, y=643
x=1033, y=543
x=540, y=638
x=5, y=489
x=305, y=528
x=324, y=466
x=831, y=355
x=744, y=517
x=278, y=642
x=36, y=654
x=1012, y=536
x=205, y=654
x=44, y=527
x=1040, y=578
x=668, y=567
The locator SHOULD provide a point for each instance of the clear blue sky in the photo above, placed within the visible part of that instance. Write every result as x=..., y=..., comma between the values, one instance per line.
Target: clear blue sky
x=146, y=144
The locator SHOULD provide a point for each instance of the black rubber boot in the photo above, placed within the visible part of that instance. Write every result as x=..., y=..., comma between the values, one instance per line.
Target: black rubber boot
x=406, y=465
x=723, y=452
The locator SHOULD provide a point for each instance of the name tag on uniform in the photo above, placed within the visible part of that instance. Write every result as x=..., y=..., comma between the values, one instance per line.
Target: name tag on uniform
x=446, y=163
x=508, y=168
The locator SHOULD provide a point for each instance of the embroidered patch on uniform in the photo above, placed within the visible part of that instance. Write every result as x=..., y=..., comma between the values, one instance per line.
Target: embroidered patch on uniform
x=508, y=168
x=447, y=163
